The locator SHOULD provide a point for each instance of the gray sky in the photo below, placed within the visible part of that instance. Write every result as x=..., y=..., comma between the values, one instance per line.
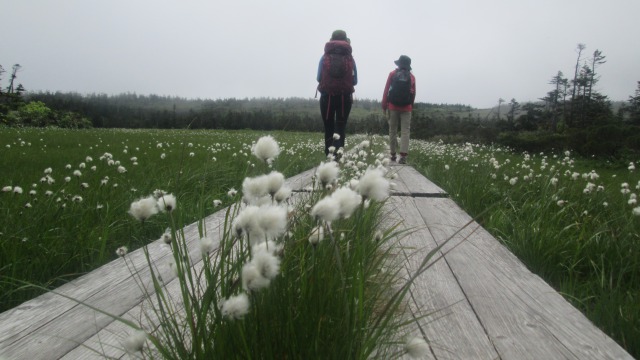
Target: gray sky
x=464, y=51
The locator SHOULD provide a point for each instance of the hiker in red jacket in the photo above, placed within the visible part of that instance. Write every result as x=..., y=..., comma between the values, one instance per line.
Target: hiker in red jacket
x=397, y=103
x=337, y=75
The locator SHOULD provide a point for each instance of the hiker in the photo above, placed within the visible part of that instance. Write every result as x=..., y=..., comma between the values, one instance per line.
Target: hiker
x=337, y=75
x=397, y=103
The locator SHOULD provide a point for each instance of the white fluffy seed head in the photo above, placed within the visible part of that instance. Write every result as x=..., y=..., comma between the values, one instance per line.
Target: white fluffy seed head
x=327, y=209
x=235, y=307
x=373, y=185
x=272, y=220
x=167, y=237
x=167, y=203
x=317, y=235
x=207, y=245
x=275, y=181
x=267, y=264
x=247, y=224
x=327, y=173
x=144, y=208
x=254, y=188
x=135, y=342
x=267, y=246
x=266, y=149
x=416, y=347
x=252, y=279
x=348, y=201
x=283, y=194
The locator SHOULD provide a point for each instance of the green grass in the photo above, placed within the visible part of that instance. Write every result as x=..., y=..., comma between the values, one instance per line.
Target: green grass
x=322, y=305
x=585, y=243
x=48, y=238
x=328, y=300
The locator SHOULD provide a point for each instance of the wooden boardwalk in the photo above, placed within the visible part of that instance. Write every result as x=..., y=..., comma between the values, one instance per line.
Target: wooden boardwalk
x=485, y=303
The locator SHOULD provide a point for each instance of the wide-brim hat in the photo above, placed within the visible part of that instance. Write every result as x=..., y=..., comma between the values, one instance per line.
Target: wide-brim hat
x=403, y=62
x=339, y=35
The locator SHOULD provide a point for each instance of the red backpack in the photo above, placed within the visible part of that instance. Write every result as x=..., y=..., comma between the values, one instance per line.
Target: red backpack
x=337, y=69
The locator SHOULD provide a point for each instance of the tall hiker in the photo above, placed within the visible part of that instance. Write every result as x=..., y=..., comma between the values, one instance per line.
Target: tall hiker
x=397, y=102
x=337, y=75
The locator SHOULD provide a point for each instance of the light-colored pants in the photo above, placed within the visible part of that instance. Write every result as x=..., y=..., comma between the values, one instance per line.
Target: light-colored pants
x=404, y=118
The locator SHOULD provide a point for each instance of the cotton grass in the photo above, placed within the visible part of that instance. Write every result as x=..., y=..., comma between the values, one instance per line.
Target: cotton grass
x=373, y=185
x=266, y=149
x=235, y=307
x=232, y=287
x=144, y=208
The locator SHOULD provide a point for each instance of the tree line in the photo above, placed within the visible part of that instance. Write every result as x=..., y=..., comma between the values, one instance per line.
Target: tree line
x=572, y=114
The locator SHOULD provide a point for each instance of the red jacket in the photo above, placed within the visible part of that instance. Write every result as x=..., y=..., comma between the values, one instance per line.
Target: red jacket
x=390, y=106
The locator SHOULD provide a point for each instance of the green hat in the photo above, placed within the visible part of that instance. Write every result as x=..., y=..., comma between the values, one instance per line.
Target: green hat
x=339, y=35
x=404, y=62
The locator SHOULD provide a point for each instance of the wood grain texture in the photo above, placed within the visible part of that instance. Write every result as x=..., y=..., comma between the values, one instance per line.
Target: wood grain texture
x=415, y=182
x=523, y=316
x=108, y=340
x=449, y=323
x=50, y=326
x=301, y=181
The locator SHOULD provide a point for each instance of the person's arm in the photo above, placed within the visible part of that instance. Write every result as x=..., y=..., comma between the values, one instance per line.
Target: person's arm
x=413, y=89
x=355, y=74
x=386, y=91
x=319, y=76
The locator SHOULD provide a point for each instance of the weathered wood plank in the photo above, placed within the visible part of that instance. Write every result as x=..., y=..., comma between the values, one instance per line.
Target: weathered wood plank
x=56, y=325
x=399, y=187
x=450, y=325
x=301, y=181
x=50, y=326
x=415, y=182
x=109, y=339
x=523, y=316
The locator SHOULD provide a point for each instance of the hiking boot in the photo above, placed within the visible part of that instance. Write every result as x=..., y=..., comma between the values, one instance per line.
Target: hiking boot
x=403, y=160
x=393, y=158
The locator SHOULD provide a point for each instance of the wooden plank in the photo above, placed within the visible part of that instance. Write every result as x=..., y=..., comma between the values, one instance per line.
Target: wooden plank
x=416, y=183
x=301, y=181
x=109, y=339
x=58, y=325
x=523, y=316
x=50, y=326
x=399, y=187
x=451, y=326
x=26, y=319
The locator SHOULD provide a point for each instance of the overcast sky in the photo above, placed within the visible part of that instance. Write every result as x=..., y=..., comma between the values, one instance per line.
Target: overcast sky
x=464, y=51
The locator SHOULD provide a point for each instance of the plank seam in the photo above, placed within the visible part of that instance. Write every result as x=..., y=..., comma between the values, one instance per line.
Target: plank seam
x=466, y=296
x=405, y=194
x=420, y=195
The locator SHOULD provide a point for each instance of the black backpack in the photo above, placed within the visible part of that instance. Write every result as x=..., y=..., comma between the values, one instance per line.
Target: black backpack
x=400, y=89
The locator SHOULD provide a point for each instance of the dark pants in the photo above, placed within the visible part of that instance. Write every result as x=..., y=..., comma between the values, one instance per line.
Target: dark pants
x=335, y=111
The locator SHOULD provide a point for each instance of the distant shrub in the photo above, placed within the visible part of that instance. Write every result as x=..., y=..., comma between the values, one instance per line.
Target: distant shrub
x=609, y=140
x=71, y=120
x=532, y=141
x=38, y=114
